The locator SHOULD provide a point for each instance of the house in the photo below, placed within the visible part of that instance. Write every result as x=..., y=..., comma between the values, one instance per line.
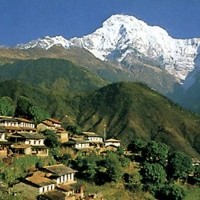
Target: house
x=49, y=123
x=112, y=142
x=13, y=125
x=63, y=135
x=41, y=182
x=55, y=181
x=4, y=144
x=94, y=139
x=78, y=143
x=54, y=125
x=65, y=192
x=24, y=140
x=60, y=173
x=22, y=149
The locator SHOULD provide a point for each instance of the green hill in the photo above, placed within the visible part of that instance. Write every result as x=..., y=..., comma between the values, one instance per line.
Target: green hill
x=59, y=75
x=52, y=84
x=130, y=69
x=132, y=109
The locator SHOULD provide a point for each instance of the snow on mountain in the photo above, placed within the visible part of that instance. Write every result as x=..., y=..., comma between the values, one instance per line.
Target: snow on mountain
x=122, y=35
x=47, y=43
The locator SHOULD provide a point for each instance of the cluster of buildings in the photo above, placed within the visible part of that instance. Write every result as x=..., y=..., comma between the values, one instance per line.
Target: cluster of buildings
x=19, y=136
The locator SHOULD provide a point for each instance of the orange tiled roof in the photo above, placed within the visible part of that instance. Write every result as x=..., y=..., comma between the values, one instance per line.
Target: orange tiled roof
x=53, y=120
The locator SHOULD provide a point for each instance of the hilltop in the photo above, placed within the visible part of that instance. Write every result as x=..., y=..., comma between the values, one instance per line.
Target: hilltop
x=132, y=109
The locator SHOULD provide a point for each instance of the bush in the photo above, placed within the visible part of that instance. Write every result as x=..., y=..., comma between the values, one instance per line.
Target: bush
x=172, y=192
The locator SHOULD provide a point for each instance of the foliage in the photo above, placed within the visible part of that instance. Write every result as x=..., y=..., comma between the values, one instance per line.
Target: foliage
x=179, y=165
x=87, y=167
x=153, y=174
x=133, y=181
x=133, y=110
x=6, y=106
x=18, y=169
x=196, y=175
x=65, y=159
x=75, y=129
x=22, y=107
x=113, y=167
x=99, y=169
x=51, y=140
x=57, y=74
x=172, y=192
x=155, y=152
x=136, y=145
x=37, y=114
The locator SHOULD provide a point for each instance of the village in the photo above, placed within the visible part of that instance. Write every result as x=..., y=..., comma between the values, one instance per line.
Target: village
x=21, y=137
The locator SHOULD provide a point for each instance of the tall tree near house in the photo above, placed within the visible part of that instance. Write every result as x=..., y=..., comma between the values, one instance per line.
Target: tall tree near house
x=51, y=139
x=196, y=176
x=155, y=152
x=153, y=174
x=37, y=114
x=171, y=191
x=6, y=106
x=112, y=166
x=179, y=165
x=136, y=145
x=22, y=107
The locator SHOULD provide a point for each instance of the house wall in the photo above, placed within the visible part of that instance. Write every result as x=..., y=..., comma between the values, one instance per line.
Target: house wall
x=35, y=142
x=2, y=136
x=40, y=152
x=65, y=178
x=3, y=152
x=43, y=127
x=63, y=137
x=46, y=188
x=17, y=124
x=82, y=145
x=116, y=144
x=95, y=139
x=28, y=151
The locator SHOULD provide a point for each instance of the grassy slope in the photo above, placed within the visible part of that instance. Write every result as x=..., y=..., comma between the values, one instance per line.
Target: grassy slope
x=52, y=73
x=135, y=70
x=51, y=83
x=130, y=109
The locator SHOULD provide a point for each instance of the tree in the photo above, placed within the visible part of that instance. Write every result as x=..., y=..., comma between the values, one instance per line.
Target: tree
x=136, y=145
x=37, y=114
x=153, y=174
x=196, y=176
x=172, y=192
x=75, y=129
x=133, y=181
x=113, y=169
x=6, y=106
x=179, y=165
x=156, y=152
x=87, y=167
x=51, y=139
x=22, y=107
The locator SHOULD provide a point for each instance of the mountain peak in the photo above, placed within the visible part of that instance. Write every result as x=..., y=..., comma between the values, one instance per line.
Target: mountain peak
x=46, y=43
x=123, y=36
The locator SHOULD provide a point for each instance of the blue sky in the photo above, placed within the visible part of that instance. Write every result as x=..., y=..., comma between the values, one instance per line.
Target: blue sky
x=25, y=20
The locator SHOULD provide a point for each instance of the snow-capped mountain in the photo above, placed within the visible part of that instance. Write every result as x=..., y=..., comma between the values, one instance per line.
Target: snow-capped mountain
x=122, y=36
x=47, y=43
